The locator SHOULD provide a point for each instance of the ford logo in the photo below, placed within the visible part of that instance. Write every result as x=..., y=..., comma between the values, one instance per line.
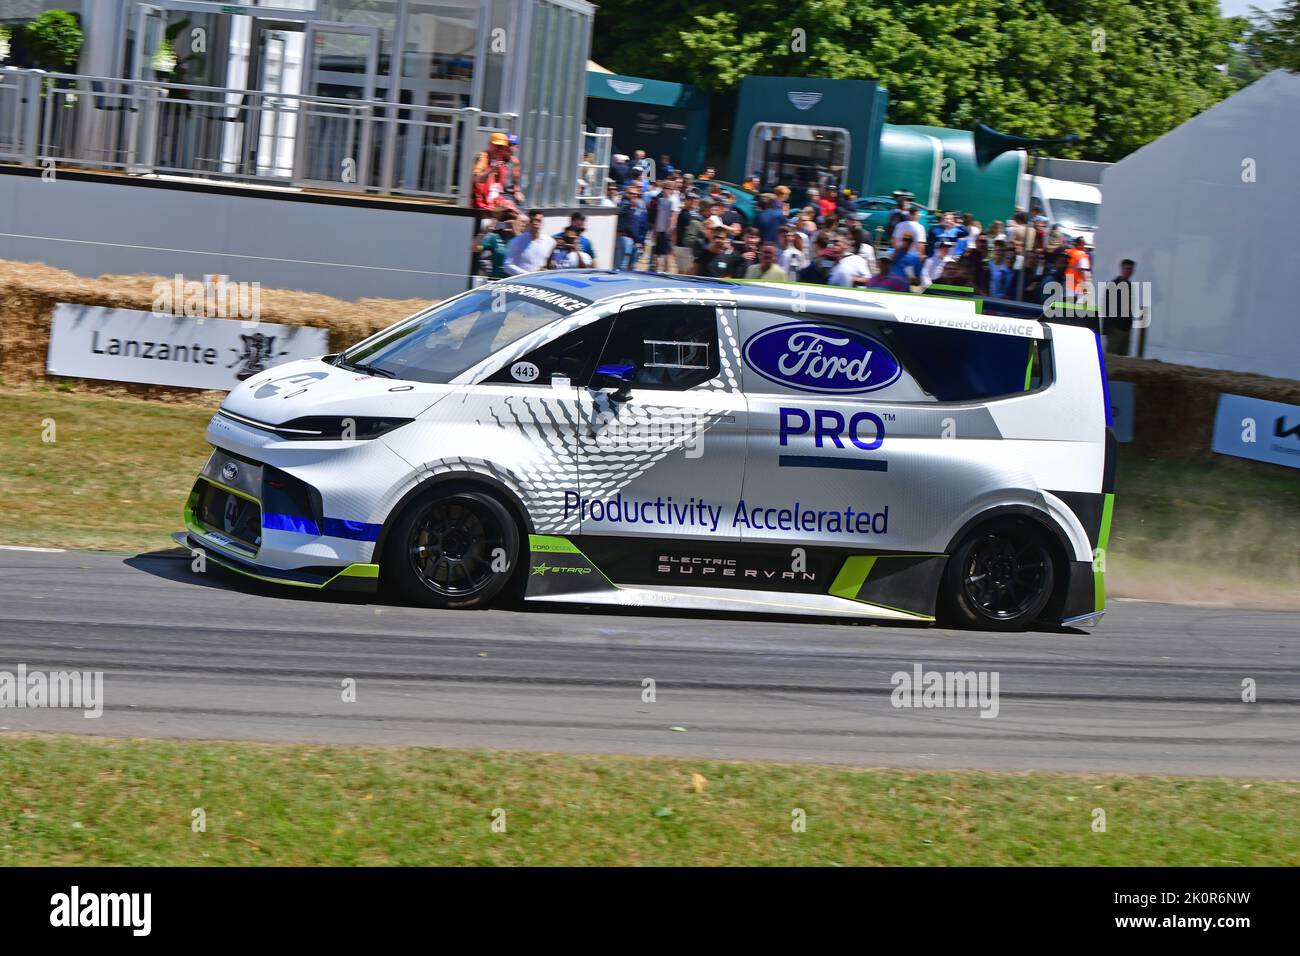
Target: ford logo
x=831, y=359
x=229, y=470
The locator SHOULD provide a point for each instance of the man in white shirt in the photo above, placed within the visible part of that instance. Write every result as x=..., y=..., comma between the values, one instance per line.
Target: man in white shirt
x=531, y=251
x=911, y=226
x=569, y=253
x=932, y=270
x=867, y=251
x=666, y=205
x=851, y=269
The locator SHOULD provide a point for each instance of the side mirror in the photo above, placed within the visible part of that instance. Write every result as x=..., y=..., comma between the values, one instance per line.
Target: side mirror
x=618, y=376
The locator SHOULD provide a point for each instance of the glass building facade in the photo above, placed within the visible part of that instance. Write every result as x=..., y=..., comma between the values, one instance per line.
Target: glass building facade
x=521, y=63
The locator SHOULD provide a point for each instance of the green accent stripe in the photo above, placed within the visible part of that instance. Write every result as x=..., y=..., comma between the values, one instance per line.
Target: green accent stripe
x=852, y=576
x=967, y=292
x=351, y=571
x=1103, y=542
x=553, y=544
x=1029, y=366
x=357, y=571
x=557, y=544
x=229, y=566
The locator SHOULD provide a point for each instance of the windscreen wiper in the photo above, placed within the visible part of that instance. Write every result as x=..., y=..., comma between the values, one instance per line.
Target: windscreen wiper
x=363, y=367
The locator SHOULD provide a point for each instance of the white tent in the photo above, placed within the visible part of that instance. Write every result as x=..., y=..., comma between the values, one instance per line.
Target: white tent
x=1210, y=212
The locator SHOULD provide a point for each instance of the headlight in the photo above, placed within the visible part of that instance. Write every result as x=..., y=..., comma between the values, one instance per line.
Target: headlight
x=338, y=427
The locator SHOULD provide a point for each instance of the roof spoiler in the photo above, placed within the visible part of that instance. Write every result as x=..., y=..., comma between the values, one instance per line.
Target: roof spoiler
x=1070, y=313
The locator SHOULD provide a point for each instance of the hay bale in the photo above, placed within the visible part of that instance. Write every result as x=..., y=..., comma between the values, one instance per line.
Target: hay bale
x=1176, y=404
x=30, y=291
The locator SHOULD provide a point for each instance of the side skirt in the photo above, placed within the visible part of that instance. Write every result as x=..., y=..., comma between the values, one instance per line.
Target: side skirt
x=776, y=579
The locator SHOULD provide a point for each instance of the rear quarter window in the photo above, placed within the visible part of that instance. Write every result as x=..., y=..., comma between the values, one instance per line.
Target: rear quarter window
x=959, y=365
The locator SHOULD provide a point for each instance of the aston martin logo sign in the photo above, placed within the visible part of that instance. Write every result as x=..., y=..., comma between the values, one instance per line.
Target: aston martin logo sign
x=624, y=87
x=804, y=101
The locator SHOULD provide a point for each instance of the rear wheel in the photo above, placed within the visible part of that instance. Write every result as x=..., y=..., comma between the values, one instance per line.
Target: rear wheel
x=457, y=549
x=1000, y=578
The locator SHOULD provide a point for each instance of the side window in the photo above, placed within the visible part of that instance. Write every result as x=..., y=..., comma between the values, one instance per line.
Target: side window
x=673, y=347
x=572, y=355
x=958, y=365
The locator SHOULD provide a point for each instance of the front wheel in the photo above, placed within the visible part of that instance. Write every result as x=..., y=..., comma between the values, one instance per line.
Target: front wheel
x=454, y=550
x=1000, y=578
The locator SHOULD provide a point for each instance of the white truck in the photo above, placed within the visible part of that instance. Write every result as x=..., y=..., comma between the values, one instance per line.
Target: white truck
x=1076, y=207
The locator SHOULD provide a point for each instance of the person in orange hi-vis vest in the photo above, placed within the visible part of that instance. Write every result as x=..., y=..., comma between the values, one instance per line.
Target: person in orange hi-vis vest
x=1078, y=270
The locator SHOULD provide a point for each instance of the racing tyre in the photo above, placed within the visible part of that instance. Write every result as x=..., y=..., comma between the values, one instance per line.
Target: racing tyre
x=458, y=549
x=1000, y=578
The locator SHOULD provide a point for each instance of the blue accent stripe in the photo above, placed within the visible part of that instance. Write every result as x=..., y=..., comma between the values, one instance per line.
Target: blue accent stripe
x=331, y=527
x=819, y=461
x=281, y=522
x=1105, y=382
x=356, y=530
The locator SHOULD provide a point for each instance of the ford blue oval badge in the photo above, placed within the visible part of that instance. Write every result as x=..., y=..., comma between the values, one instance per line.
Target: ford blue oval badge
x=820, y=357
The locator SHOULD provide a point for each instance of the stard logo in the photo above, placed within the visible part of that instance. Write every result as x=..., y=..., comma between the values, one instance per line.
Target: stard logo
x=831, y=359
x=544, y=569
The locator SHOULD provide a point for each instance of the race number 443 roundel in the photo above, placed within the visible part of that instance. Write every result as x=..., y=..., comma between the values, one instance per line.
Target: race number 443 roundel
x=821, y=357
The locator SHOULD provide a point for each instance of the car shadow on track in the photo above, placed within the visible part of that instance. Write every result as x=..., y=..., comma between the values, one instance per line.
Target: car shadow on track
x=175, y=564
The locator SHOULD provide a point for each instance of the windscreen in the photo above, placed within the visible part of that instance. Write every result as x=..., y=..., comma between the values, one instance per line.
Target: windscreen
x=446, y=340
x=1076, y=214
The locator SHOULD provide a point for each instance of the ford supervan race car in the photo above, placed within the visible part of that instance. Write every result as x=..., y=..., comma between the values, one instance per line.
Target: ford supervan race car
x=652, y=440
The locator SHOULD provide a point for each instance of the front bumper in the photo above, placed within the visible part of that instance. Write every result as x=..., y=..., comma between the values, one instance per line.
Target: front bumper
x=362, y=578
x=263, y=522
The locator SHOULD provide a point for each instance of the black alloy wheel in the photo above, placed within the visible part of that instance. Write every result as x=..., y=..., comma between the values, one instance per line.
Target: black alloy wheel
x=457, y=550
x=999, y=578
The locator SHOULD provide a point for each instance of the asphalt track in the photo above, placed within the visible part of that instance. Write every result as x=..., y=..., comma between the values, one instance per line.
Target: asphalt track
x=1156, y=688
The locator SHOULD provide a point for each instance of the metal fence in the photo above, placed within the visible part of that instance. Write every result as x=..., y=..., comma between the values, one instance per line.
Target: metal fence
x=142, y=127
x=594, y=168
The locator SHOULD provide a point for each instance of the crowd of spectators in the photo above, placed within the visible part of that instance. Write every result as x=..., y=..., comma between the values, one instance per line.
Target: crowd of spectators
x=676, y=222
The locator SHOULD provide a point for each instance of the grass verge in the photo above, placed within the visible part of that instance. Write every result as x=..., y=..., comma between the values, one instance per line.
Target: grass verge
x=80, y=801
x=1220, y=531
x=114, y=477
